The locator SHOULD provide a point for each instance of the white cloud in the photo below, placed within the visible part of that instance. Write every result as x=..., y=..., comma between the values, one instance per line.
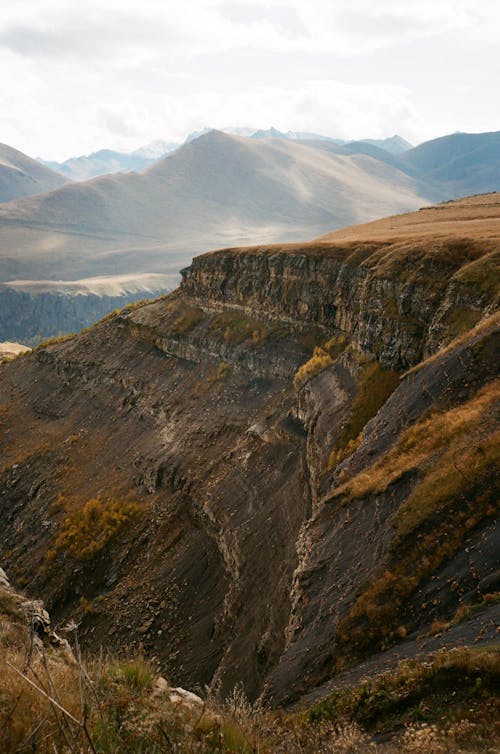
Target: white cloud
x=153, y=29
x=76, y=76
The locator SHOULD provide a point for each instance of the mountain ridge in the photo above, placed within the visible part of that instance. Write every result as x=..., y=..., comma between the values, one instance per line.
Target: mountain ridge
x=20, y=176
x=214, y=190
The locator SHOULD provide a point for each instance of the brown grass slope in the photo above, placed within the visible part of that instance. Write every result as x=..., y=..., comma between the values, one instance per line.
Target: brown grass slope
x=20, y=176
x=216, y=190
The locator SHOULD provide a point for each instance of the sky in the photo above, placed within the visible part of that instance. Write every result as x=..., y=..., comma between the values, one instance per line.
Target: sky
x=80, y=76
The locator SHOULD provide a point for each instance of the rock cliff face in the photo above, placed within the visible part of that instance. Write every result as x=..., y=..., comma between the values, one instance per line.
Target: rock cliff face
x=391, y=304
x=241, y=479
x=29, y=313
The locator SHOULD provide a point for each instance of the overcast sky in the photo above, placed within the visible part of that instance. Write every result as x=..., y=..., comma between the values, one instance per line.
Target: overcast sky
x=80, y=76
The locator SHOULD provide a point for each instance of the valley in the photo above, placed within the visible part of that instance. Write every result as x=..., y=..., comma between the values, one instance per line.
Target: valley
x=284, y=469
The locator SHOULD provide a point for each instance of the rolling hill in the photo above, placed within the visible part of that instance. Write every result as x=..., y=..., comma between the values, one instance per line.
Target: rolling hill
x=217, y=190
x=459, y=164
x=21, y=176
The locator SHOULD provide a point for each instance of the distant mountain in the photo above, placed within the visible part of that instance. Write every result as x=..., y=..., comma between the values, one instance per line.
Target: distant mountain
x=359, y=147
x=107, y=161
x=22, y=176
x=458, y=164
x=217, y=190
x=273, y=133
x=155, y=149
x=393, y=144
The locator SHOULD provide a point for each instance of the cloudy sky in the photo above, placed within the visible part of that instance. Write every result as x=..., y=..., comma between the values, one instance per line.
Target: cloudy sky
x=79, y=76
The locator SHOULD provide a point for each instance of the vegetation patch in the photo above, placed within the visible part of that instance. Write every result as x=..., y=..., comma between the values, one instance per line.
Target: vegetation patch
x=108, y=705
x=440, y=689
x=461, y=319
x=223, y=371
x=236, y=327
x=455, y=456
x=436, y=432
x=378, y=617
x=319, y=361
x=451, y=480
x=375, y=385
x=53, y=341
x=90, y=528
x=188, y=319
x=483, y=273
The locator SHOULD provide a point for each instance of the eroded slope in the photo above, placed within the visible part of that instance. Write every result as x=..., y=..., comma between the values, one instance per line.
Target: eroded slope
x=242, y=479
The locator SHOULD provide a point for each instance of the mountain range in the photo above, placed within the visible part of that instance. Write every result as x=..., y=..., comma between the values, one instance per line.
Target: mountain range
x=216, y=190
x=107, y=161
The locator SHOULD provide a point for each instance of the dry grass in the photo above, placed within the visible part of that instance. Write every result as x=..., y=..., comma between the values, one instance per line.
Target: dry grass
x=454, y=457
x=319, y=361
x=187, y=319
x=236, y=327
x=375, y=385
x=461, y=319
x=482, y=274
x=489, y=324
x=440, y=431
x=52, y=703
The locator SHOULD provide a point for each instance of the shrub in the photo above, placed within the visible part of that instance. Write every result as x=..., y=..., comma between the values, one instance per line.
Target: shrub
x=137, y=673
x=319, y=361
x=87, y=530
x=223, y=371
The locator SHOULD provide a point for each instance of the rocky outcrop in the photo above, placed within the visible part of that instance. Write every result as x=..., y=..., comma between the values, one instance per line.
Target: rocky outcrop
x=393, y=304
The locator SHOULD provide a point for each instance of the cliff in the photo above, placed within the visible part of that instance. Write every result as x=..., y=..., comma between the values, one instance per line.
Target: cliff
x=31, y=311
x=278, y=475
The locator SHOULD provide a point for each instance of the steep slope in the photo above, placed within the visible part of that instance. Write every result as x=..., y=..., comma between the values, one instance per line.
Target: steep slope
x=216, y=190
x=54, y=700
x=279, y=472
x=459, y=164
x=21, y=176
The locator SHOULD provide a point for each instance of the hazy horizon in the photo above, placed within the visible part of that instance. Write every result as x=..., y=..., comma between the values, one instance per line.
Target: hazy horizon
x=78, y=78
